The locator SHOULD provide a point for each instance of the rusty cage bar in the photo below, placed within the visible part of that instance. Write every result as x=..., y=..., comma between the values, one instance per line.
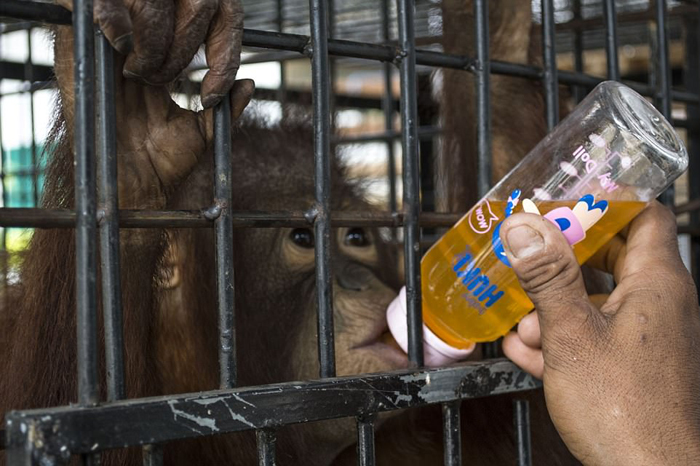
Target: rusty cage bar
x=76, y=430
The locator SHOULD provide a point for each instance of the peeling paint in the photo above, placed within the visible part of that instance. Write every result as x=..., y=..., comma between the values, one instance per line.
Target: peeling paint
x=401, y=397
x=242, y=400
x=238, y=417
x=209, y=401
x=200, y=421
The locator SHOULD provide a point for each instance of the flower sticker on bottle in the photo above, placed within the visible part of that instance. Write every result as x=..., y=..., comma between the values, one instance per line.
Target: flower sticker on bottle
x=573, y=222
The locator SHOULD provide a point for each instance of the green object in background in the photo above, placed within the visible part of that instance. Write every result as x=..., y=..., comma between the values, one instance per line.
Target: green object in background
x=18, y=190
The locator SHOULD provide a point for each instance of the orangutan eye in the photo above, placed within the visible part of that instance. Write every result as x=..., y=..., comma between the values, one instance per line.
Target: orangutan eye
x=302, y=237
x=357, y=237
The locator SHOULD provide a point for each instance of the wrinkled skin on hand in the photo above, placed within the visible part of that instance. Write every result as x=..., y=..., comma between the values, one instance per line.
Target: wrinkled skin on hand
x=160, y=37
x=160, y=143
x=620, y=373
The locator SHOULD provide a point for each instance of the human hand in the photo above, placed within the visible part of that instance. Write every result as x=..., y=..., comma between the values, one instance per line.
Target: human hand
x=620, y=378
x=160, y=38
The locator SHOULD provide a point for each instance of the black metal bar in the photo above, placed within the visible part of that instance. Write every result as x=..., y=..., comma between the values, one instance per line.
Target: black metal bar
x=152, y=455
x=662, y=61
x=130, y=422
x=388, y=108
x=282, y=90
x=663, y=79
x=332, y=65
x=482, y=69
x=109, y=221
x=551, y=82
x=85, y=195
x=521, y=415
x=266, y=441
x=411, y=179
x=224, y=243
x=28, y=76
x=579, y=92
x=424, y=133
x=365, y=441
x=483, y=101
x=64, y=218
x=613, y=63
x=452, y=433
x=322, y=132
x=35, y=11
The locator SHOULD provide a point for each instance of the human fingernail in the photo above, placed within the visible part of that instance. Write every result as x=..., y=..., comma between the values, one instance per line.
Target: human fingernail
x=523, y=241
x=124, y=44
x=211, y=99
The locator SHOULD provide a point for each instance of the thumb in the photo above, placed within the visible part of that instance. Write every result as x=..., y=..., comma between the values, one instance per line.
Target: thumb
x=547, y=269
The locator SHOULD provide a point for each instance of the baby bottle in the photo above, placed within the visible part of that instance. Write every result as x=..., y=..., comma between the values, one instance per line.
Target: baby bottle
x=590, y=177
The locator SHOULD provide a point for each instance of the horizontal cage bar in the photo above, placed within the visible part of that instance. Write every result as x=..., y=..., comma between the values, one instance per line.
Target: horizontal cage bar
x=53, y=431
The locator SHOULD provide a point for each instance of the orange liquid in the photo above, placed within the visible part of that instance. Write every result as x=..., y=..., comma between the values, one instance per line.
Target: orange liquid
x=477, y=311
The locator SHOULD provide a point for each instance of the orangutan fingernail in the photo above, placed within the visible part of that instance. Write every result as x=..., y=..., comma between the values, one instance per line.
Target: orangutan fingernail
x=124, y=44
x=523, y=241
x=211, y=99
x=131, y=75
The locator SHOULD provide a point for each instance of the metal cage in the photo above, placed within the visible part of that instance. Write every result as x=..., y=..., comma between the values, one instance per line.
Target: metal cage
x=52, y=435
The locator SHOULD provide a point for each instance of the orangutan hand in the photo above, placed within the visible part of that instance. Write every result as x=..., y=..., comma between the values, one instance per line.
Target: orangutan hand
x=621, y=380
x=160, y=38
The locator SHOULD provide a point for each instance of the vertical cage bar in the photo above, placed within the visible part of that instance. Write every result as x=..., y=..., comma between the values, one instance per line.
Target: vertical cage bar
x=4, y=258
x=411, y=179
x=224, y=243
x=663, y=74
x=521, y=414
x=551, y=80
x=365, y=442
x=85, y=206
x=152, y=455
x=452, y=433
x=282, y=91
x=662, y=61
x=266, y=442
x=483, y=100
x=579, y=92
x=483, y=115
x=388, y=108
x=613, y=62
x=29, y=76
x=332, y=65
x=321, y=103
x=109, y=222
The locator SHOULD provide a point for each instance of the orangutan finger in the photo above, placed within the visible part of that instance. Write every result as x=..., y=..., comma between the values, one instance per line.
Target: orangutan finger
x=153, y=22
x=223, y=49
x=115, y=22
x=240, y=96
x=192, y=19
x=113, y=18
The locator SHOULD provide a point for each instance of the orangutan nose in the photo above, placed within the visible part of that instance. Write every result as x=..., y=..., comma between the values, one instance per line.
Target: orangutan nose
x=354, y=277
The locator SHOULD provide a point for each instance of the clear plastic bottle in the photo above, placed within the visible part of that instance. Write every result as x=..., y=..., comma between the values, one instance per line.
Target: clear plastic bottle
x=590, y=176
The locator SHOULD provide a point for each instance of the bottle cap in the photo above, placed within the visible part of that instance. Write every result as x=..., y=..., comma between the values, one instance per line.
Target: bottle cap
x=435, y=351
